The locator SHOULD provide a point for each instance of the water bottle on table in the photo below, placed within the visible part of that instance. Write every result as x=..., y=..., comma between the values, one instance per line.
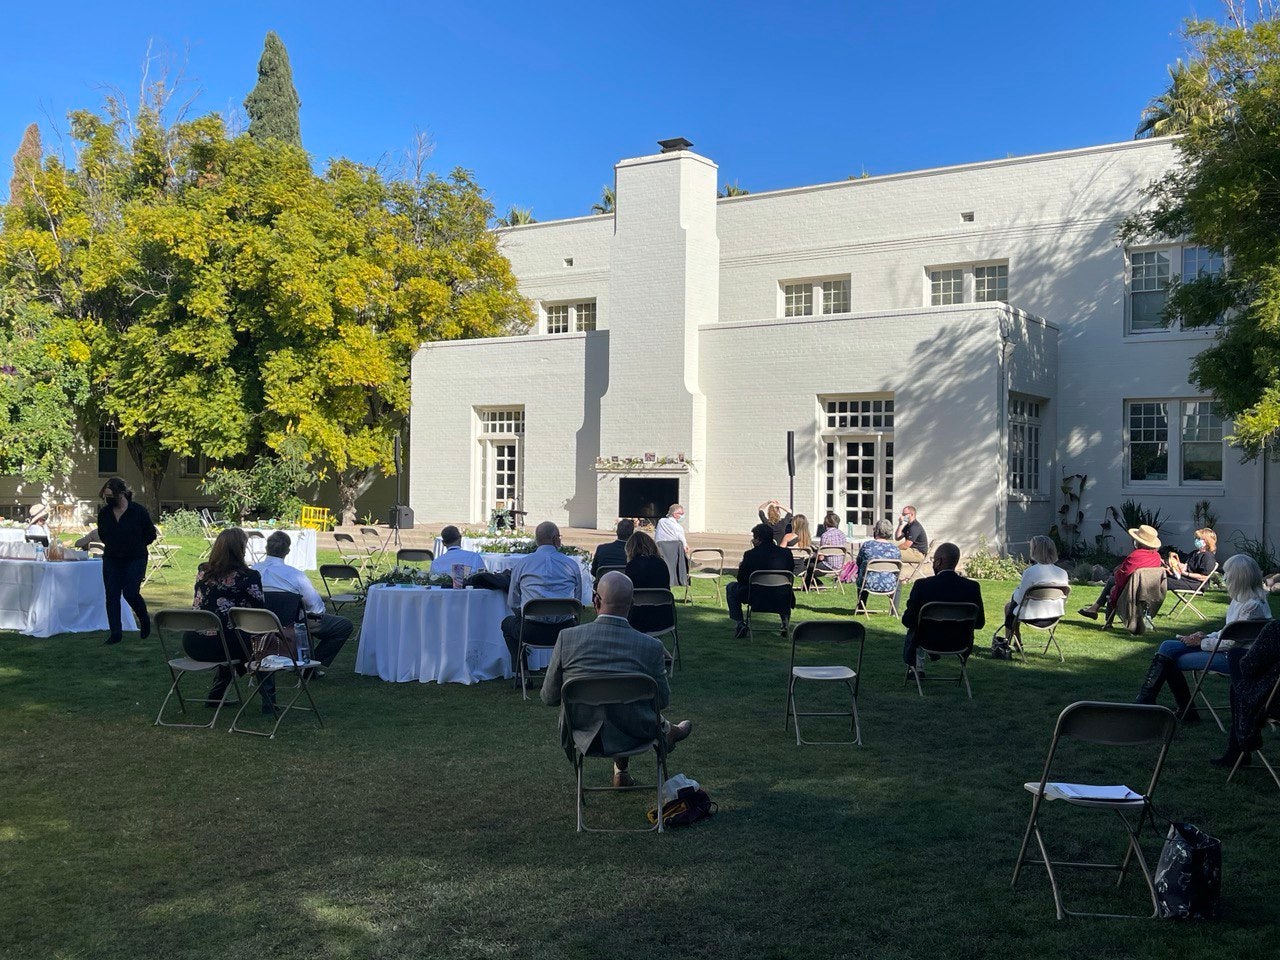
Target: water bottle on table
x=40, y=552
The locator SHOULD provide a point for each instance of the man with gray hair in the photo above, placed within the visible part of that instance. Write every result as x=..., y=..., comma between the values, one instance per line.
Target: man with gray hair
x=546, y=574
x=609, y=644
x=328, y=631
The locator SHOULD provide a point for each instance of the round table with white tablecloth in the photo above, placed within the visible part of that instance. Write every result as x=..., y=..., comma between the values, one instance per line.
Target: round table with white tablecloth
x=302, y=549
x=13, y=534
x=41, y=599
x=498, y=562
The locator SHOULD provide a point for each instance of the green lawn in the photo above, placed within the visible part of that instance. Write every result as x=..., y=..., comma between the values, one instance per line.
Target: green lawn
x=428, y=821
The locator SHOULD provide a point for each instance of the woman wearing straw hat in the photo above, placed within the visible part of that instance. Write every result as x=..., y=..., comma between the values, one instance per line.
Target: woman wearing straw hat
x=38, y=523
x=1146, y=553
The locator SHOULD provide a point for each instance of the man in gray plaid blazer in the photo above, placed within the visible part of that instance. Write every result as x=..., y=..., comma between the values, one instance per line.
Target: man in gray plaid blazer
x=610, y=644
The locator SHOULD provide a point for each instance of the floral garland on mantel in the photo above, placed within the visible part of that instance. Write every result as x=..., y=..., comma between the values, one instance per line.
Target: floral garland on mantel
x=647, y=462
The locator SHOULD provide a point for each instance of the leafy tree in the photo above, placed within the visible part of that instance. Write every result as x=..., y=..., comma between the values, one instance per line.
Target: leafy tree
x=606, y=201
x=1191, y=98
x=25, y=164
x=273, y=103
x=1224, y=196
x=516, y=216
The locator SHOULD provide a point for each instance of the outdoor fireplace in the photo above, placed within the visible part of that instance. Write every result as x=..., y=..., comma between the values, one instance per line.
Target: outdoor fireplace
x=647, y=498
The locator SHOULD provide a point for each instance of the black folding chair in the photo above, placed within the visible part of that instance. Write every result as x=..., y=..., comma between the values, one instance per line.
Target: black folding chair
x=332, y=574
x=411, y=555
x=770, y=591
x=828, y=633
x=946, y=630
x=660, y=598
x=1242, y=632
x=550, y=609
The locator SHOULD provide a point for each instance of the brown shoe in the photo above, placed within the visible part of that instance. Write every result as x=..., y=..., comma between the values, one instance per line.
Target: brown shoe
x=678, y=731
x=622, y=778
x=1090, y=612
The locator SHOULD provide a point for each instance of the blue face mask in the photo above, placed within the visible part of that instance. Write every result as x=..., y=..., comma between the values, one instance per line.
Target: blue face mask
x=1199, y=543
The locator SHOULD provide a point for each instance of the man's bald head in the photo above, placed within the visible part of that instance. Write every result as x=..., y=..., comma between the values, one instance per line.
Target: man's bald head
x=614, y=592
x=546, y=532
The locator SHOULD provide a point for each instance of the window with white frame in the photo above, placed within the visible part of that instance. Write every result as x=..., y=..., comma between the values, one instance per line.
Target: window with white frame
x=1189, y=454
x=856, y=448
x=108, y=449
x=946, y=286
x=501, y=460
x=991, y=283
x=968, y=283
x=831, y=295
x=1024, y=445
x=1152, y=271
x=505, y=421
x=568, y=317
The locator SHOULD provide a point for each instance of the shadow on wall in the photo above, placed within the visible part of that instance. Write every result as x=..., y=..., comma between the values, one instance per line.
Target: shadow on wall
x=581, y=507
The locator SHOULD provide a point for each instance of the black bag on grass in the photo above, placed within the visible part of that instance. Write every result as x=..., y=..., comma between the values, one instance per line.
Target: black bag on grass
x=1189, y=875
x=691, y=805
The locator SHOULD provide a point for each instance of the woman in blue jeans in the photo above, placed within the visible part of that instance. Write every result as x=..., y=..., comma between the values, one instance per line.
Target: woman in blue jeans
x=1196, y=650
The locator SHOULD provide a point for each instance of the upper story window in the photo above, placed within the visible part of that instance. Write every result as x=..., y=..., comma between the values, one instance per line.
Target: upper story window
x=568, y=317
x=108, y=449
x=508, y=421
x=1151, y=272
x=1189, y=453
x=831, y=295
x=969, y=283
x=1024, y=445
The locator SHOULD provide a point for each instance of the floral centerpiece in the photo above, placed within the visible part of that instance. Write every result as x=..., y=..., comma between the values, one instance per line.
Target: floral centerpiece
x=411, y=577
x=10, y=524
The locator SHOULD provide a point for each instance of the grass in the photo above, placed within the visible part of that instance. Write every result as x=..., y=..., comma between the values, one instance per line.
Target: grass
x=437, y=821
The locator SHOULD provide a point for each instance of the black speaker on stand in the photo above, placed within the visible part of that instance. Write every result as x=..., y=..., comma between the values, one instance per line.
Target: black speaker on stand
x=791, y=469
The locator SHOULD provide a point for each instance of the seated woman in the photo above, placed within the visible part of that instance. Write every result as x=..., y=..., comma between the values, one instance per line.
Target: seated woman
x=222, y=582
x=1043, y=572
x=1189, y=574
x=800, y=539
x=880, y=547
x=1195, y=650
x=832, y=536
x=647, y=569
x=1145, y=553
x=777, y=516
x=38, y=525
x=1253, y=674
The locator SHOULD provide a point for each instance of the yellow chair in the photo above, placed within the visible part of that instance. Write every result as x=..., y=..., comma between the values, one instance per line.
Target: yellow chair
x=316, y=518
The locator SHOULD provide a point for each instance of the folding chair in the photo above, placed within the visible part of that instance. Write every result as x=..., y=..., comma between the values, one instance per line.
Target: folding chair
x=160, y=557
x=340, y=573
x=880, y=566
x=705, y=563
x=941, y=619
x=177, y=622
x=546, y=609
x=831, y=632
x=1265, y=720
x=1241, y=632
x=259, y=626
x=603, y=570
x=1111, y=725
x=1185, y=597
x=817, y=584
x=592, y=694
x=1047, y=591
x=770, y=591
x=350, y=552
x=659, y=598
x=407, y=555
x=917, y=564
x=802, y=557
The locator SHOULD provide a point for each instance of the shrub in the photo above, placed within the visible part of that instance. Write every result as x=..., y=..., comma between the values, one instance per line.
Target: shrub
x=182, y=523
x=269, y=486
x=1260, y=549
x=1082, y=573
x=983, y=564
x=1133, y=514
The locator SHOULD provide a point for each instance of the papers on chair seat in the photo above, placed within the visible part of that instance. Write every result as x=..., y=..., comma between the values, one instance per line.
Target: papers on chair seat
x=1086, y=791
x=277, y=662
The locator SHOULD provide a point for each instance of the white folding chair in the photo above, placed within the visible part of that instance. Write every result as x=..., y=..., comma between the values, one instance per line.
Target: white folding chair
x=937, y=620
x=770, y=591
x=659, y=598
x=259, y=627
x=551, y=608
x=1241, y=632
x=1110, y=725
x=1184, y=598
x=880, y=566
x=829, y=633
x=705, y=563
x=593, y=693
x=177, y=622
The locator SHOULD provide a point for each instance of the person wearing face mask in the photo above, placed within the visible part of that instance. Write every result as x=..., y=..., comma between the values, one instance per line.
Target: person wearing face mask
x=1190, y=573
x=126, y=530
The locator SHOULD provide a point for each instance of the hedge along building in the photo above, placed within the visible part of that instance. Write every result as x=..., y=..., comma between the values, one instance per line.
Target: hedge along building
x=958, y=339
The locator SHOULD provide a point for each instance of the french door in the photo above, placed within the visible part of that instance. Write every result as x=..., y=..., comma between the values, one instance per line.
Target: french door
x=501, y=471
x=859, y=477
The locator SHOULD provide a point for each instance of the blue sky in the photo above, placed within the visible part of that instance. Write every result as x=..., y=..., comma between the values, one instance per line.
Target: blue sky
x=540, y=99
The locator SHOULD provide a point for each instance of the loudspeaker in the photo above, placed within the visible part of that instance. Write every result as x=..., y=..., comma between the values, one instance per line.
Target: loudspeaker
x=791, y=453
x=401, y=518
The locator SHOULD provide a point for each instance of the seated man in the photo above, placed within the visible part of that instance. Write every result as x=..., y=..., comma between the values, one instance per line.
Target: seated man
x=546, y=574
x=945, y=586
x=609, y=644
x=614, y=554
x=911, y=537
x=328, y=631
x=442, y=566
x=763, y=555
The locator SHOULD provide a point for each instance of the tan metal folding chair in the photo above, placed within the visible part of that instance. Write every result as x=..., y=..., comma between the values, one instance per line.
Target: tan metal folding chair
x=160, y=559
x=917, y=565
x=259, y=626
x=1111, y=725
x=350, y=552
x=410, y=555
x=770, y=591
x=342, y=573
x=819, y=571
x=705, y=563
x=1241, y=632
x=177, y=622
x=801, y=557
x=1041, y=591
x=546, y=609
x=1184, y=598
x=937, y=619
x=880, y=566
x=602, y=691
x=829, y=633
x=660, y=598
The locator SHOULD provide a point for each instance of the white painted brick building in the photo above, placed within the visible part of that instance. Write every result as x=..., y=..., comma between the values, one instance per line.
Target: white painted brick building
x=956, y=338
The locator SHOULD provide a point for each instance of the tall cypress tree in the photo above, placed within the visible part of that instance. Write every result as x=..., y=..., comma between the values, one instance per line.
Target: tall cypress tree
x=273, y=104
x=25, y=163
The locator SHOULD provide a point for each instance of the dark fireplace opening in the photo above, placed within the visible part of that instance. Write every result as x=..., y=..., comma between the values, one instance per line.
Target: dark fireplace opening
x=647, y=498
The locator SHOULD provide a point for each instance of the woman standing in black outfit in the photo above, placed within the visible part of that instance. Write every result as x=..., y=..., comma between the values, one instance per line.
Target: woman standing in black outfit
x=126, y=530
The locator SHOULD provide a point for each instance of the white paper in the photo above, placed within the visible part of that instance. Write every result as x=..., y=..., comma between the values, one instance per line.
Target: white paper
x=1088, y=791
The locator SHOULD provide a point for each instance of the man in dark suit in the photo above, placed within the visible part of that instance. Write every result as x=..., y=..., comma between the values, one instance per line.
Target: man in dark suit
x=763, y=555
x=614, y=554
x=609, y=644
x=945, y=586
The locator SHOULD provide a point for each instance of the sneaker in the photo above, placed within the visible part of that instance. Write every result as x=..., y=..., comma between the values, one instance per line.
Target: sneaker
x=678, y=731
x=622, y=778
x=740, y=631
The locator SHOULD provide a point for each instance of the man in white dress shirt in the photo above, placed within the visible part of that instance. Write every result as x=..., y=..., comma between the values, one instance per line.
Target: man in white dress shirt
x=669, y=531
x=328, y=632
x=442, y=566
x=544, y=574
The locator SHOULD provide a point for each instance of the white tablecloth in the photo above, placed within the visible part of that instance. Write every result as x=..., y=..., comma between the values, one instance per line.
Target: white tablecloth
x=426, y=633
x=42, y=599
x=474, y=544
x=511, y=561
x=302, y=550
x=16, y=534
